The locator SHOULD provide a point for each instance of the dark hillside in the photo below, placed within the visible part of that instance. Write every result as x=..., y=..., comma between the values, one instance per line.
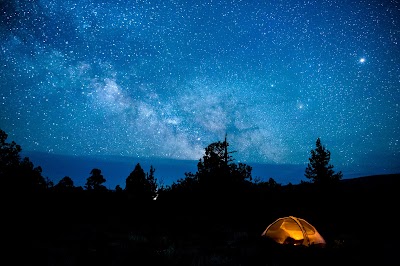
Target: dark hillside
x=81, y=228
x=372, y=182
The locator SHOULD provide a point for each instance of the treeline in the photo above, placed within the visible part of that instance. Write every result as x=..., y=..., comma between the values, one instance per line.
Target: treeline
x=214, y=216
x=218, y=177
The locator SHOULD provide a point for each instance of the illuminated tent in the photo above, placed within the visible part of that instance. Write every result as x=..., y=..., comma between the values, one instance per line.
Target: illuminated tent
x=293, y=231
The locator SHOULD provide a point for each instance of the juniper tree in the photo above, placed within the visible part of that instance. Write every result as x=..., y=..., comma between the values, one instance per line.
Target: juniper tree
x=95, y=181
x=319, y=170
x=141, y=185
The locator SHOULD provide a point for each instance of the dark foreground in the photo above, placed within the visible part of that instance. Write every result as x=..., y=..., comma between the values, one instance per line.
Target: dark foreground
x=357, y=220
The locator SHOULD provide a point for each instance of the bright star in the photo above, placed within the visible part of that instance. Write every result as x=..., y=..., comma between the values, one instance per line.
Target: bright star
x=362, y=60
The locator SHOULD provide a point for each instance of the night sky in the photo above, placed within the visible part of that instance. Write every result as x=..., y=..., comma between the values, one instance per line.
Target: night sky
x=163, y=79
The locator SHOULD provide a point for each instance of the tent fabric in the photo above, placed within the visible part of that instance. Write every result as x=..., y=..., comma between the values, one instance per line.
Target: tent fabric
x=293, y=231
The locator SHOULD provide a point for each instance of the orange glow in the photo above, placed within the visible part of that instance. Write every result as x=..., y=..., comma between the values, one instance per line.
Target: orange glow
x=297, y=235
x=293, y=231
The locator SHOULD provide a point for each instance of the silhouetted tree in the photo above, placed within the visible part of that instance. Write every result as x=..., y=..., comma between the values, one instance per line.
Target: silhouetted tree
x=49, y=183
x=217, y=167
x=135, y=179
x=16, y=173
x=188, y=185
x=95, y=181
x=9, y=154
x=240, y=172
x=319, y=170
x=31, y=177
x=215, y=163
x=118, y=188
x=217, y=176
x=272, y=184
x=141, y=186
x=65, y=184
x=152, y=182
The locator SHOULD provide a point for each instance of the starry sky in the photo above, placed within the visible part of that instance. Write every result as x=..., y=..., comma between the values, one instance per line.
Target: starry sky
x=163, y=79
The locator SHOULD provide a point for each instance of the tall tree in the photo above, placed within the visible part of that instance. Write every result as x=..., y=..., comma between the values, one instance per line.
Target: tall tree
x=9, y=154
x=95, y=181
x=217, y=178
x=141, y=185
x=136, y=180
x=30, y=177
x=152, y=182
x=18, y=174
x=319, y=170
x=217, y=169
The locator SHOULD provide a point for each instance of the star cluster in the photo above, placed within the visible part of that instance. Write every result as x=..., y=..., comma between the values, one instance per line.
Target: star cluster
x=166, y=78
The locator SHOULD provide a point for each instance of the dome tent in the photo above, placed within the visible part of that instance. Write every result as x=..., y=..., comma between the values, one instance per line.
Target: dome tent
x=293, y=231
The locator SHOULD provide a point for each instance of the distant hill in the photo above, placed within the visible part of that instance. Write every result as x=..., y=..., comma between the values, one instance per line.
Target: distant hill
x=373, y=181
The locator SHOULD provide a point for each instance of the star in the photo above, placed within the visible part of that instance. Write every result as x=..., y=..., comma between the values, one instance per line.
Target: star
x=168, y=80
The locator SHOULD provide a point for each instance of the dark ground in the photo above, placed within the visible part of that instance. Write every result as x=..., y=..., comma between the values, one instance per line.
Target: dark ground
x=358, y=221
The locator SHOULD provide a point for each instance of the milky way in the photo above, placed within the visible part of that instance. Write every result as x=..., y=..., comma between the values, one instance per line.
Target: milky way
x=166, y=78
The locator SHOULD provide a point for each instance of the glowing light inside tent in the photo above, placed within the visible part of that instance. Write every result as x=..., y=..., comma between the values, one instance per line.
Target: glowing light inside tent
x=296, y=235
x=293, y=231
